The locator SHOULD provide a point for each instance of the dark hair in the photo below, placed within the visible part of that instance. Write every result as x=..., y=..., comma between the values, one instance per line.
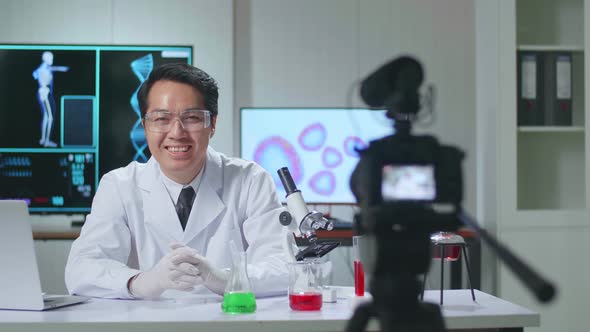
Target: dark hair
x=181, y=73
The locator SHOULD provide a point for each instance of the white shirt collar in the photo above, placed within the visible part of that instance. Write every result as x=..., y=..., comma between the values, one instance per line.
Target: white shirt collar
x=175, y=188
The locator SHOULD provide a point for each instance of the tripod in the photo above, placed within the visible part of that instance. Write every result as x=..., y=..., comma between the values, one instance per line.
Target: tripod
x=399, y=218
x=395, y=314
x=401, y=256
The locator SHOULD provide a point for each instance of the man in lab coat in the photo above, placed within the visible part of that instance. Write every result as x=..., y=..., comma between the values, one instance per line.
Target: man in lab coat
x=136, y=242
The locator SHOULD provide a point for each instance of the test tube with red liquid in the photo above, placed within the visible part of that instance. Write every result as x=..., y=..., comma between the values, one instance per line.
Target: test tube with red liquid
x=359, y=271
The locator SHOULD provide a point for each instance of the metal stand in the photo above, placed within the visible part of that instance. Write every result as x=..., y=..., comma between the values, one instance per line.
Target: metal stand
x=443, y=249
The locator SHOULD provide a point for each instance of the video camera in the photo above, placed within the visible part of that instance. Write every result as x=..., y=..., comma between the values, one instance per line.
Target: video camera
x=409, y=171
x=407, y=187
x=403, y=172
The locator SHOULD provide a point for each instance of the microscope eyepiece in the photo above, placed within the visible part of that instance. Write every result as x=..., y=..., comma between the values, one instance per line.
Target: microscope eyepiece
x=287, y=180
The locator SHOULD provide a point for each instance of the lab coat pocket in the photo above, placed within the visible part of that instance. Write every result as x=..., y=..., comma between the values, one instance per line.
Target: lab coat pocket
x=218, y=248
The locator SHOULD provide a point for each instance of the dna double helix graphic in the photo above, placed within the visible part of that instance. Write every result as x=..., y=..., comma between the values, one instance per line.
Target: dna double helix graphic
x=142, y=68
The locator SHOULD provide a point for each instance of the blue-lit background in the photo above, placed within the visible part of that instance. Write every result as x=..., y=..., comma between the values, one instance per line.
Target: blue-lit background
x=96, y=124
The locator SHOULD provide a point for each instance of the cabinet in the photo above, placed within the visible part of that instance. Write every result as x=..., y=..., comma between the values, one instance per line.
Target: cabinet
x=537, y=174
x=533, y=181
x=551, y=167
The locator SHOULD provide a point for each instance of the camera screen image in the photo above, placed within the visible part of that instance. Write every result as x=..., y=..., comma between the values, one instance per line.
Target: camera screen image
x=408, y=182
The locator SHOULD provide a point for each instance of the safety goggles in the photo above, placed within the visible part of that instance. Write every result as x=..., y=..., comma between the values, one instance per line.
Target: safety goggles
x=191, y=120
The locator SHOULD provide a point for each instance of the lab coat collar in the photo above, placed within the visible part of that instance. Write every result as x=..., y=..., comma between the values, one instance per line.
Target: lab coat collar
x=159, y=211
x=207, y=206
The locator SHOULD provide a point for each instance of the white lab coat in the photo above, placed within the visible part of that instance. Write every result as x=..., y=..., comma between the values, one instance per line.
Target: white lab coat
x=133, y=222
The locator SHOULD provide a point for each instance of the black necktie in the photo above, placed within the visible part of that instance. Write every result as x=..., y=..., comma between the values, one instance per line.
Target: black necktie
x=184, y=204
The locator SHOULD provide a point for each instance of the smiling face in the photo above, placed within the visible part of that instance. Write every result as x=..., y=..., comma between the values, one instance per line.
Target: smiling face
x=180, y=153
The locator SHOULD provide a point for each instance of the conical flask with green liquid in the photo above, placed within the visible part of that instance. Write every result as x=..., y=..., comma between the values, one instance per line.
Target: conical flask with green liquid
x=238, y=297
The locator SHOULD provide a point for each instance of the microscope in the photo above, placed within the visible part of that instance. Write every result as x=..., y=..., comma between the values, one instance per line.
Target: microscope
x=301, y=222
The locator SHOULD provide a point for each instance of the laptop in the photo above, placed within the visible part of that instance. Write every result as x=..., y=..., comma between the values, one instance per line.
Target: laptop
x=20, y=285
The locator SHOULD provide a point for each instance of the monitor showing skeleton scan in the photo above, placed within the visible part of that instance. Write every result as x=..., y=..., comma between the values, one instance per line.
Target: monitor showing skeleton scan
x=69, y=114
x=316, y=144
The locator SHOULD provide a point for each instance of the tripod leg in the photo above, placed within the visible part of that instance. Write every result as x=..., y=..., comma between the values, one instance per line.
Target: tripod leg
x=423, y=287
x=468, y=272
x=442, y=272
x=359, y=320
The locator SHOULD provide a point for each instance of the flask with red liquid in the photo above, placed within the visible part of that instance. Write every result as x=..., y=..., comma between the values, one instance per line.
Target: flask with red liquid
x=359, y=271
x=446, y=245
x=305, y=285
x=306, y=301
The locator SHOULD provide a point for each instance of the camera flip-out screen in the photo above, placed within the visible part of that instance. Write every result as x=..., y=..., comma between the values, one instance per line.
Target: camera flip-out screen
x=408, y=182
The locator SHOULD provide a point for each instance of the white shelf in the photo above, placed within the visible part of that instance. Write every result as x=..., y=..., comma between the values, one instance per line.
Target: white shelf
x=550, y=129
x=551, y=48
x=535, y=179
x=547, y=218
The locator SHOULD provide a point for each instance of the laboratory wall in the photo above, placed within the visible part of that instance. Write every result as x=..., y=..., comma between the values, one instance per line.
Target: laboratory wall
x=314, y=53
x=205, y=25
x=281, y=53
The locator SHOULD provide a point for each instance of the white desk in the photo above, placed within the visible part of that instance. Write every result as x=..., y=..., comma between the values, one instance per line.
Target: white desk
x=273, y=314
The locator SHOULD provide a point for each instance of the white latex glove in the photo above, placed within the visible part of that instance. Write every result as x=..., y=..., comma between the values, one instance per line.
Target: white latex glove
x=176, y=270
x=213, y=278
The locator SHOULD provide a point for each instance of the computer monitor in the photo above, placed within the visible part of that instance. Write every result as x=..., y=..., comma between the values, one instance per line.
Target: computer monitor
x=69, y=114
x=316, y=144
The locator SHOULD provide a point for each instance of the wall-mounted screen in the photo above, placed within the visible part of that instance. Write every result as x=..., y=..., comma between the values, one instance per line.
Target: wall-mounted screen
x=317, y=144
x=69, y=114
